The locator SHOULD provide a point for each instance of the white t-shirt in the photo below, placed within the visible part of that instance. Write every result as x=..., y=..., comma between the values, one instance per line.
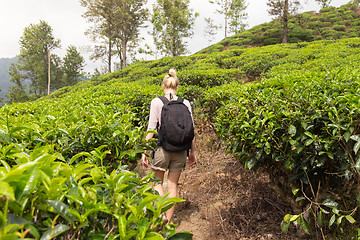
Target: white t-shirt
x=155, y=112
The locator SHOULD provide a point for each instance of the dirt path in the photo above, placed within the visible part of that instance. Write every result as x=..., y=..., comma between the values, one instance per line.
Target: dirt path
x=223, y=201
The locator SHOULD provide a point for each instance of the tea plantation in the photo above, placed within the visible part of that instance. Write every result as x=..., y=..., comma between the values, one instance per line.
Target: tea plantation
x=289, y=109
x=329, y=23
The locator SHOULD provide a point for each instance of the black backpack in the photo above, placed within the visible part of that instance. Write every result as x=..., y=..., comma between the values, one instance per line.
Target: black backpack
x=176, y=131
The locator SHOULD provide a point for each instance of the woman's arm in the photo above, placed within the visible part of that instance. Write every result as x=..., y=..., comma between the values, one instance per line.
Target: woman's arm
x=144, y=158
x=153, y=120
x=192, y=153
x=192, y=157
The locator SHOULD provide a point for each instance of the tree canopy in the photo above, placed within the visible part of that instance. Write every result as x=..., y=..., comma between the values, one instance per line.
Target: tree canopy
x=36, y=65
x=35, y=44
x=324, y=3
x=232, y=10
x=173, y=21
x=118, y=21
x=282, y=9
x=210, y=29
x=73, y=65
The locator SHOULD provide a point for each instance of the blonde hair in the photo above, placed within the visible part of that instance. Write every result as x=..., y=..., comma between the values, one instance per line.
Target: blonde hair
x=170, y=80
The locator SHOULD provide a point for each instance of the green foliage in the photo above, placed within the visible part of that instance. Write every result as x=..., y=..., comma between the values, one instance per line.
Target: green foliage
x=118, y=22
x=234, y=11
x=299, y=34
x=173, y=21
x=30, y=73
x=35, y=44
x=271, y=41
x=5, y=76
x=72, y=66
x=66, y=159
x=16, y=92
x=209, y=78
x=64, y=164
x=308, y=26
x=300, y=124
x=327, y=9
x=210, y=29
x=44, y=196
x=339, y=28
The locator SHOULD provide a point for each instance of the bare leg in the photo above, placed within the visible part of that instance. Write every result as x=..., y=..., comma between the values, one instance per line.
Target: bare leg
x=172, y=183
x=159, y=187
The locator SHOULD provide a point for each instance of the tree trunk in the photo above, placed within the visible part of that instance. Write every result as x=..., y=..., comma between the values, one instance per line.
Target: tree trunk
x=48, y=88
x=285, y=18
x=119, y=52
x=172, y=48
x=226, y=17
x=109, y=56
x=124, y=43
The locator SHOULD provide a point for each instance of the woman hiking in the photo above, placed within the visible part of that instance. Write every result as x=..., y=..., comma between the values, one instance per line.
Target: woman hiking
x=173, y=160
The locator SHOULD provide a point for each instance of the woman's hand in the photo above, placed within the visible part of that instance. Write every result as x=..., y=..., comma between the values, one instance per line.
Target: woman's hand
x=191, y=159
x=145, y=160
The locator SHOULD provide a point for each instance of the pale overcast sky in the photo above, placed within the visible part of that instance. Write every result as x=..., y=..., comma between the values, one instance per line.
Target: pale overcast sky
x=64, y=16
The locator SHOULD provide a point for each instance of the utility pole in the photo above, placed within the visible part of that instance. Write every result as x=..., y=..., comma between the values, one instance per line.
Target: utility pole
x=48, y=89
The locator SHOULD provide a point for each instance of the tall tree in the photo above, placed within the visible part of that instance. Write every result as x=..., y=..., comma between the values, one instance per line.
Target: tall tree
x=73, y=65
x=173, y=21
x=237, y=16
x=116, y=20
x=233, y=10
x=102, y=35
x=57, y=72
x=324, y=3
x=211, y=29
x=282, y=9
x=16, y=92
x=35, y=44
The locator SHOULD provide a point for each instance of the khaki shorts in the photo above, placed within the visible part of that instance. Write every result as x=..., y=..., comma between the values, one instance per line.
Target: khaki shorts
x=164, y=160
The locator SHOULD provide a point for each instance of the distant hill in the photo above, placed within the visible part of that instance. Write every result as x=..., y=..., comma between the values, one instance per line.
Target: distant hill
x=4, y=75
x=329, y=24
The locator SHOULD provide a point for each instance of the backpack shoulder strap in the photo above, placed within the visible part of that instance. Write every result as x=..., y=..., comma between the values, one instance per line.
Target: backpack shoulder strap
x=179, y=99
x=164, y=100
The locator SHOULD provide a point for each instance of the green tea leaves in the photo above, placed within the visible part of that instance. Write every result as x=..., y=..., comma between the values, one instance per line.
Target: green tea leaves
x=54, y=232
x=292, y=130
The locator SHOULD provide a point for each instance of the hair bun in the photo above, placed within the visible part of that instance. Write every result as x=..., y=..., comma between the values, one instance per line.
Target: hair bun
x=172, y=72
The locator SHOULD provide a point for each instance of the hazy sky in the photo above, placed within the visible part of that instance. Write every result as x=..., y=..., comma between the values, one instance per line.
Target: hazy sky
x=64, y=16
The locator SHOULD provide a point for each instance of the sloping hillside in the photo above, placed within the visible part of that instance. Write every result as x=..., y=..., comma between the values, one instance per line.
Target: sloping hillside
x=330, y=23
x=290, y=112
x=95, y=128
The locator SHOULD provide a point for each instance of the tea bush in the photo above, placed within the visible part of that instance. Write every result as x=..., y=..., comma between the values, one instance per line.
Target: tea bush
x=339, y=27
x=271, y=41
x=298, y=130
x=209, y=78
x=301, y=125
x=65, y=164
x=307, y=26
x=46, y=197
x=327, y=9
x=63, y=157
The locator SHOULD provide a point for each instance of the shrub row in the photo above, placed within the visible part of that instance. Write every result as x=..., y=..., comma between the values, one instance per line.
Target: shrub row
x=65, y=161
x=46, y=197
x=301, y=125
x=330, y=23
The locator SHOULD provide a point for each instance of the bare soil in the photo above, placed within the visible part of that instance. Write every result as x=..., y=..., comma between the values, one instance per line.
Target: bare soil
x=225, y=201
